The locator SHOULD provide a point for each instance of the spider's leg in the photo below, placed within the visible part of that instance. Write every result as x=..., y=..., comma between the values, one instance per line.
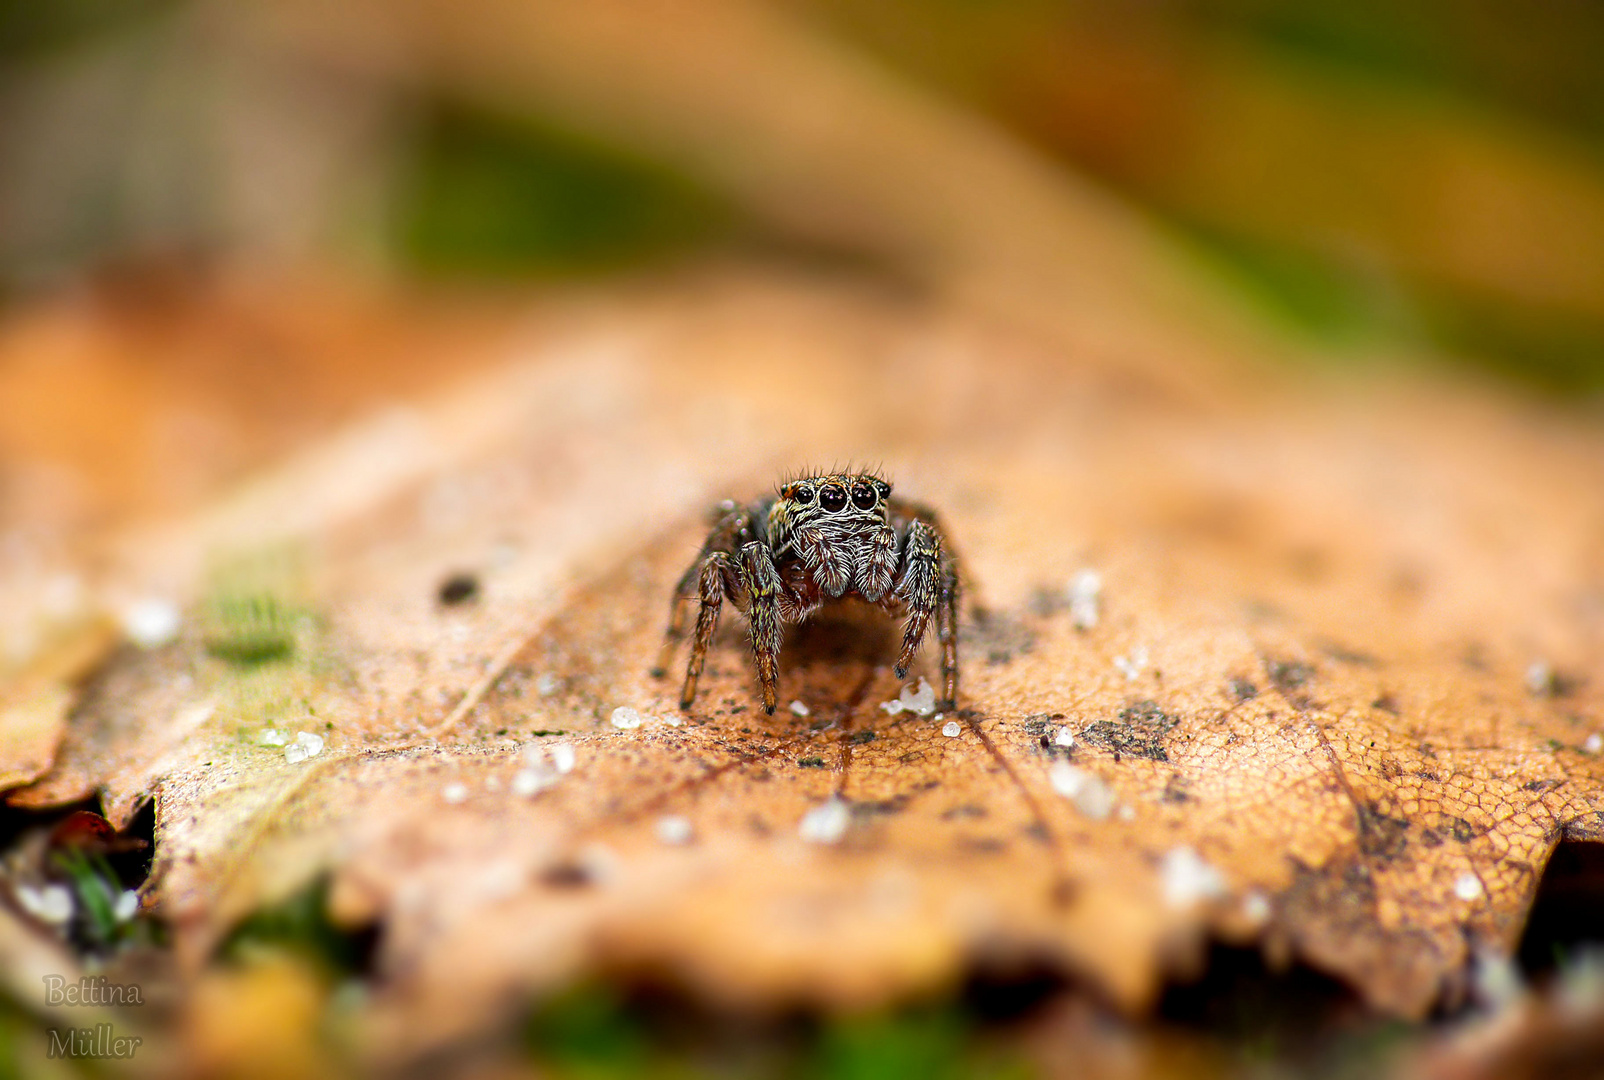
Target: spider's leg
x=763, y=613
x=684, y=592
x=719, y=574
x=919, y=587
x=947, y=632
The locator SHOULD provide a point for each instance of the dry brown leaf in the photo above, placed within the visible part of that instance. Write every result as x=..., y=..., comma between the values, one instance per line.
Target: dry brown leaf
x=1309, y=702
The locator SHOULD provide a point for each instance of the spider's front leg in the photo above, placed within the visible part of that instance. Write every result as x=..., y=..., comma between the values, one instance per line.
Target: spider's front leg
x=928, y=585
x=762, y=583
x=720, y=576
x=731, y=523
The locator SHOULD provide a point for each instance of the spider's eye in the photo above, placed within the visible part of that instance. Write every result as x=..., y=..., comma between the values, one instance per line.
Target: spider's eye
x=802, y=494
x=863, y=495
x=885, y=488
x=832, y=498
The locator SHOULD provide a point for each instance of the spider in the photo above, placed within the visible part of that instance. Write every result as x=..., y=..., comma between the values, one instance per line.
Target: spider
x=820, y=538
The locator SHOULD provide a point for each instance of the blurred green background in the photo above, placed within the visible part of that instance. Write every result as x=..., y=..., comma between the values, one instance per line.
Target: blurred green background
x=1368, y=176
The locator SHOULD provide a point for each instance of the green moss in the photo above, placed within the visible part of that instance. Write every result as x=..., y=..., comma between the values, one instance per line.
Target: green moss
x=486, y=196
x=300, y=924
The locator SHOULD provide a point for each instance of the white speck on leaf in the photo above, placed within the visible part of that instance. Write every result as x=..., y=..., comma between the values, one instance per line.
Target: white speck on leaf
x=1085, y=589
x=1467, y=886
x=563, y=757
x=799, y=708
x=951, y=729
x=1540, y=677
x=273, y=737
x=1131, y=666
x=547, y=685
x=1188, y=878
x=1091, y=796
x=306, y=745
x=921, y=700
x=454, y=793
x=625, y=718
x=673, y=829
x=826, y=823
x=151, y=623
x=1593, y=743
x=530, y=782
x=1064, y=737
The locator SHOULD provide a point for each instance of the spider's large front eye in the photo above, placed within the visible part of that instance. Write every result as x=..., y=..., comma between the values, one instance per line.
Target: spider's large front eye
x=802, y=494
x=832, y=498
x=863, y=495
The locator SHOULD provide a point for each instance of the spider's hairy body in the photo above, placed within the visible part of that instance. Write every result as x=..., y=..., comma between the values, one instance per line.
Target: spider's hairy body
x=819, y=539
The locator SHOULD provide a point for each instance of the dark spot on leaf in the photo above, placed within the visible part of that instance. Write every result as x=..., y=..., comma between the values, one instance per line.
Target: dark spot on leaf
x=459, y=588
x=1381, y=836
x=1288, y=675
x=1139, y=732
x=1242, y=689
x=566, y=875
x=811, y=763
x=861, y=737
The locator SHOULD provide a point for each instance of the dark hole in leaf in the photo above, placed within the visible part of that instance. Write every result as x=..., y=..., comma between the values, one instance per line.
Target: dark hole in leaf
x=1293, y=1015
x=1567, y=918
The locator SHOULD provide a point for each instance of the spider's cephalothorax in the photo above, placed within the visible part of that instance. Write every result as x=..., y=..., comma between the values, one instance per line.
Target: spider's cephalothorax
x=820, y=538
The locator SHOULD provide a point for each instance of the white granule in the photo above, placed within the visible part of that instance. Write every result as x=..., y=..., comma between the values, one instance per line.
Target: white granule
x=454, y=793
x=547, y=685
x=126, y=907
x=673, y=829
x=49, y=904
x=799, y=708
x=1188, y=878
x=273, y=737
x=625, y=717
x=951, y=729
x=543, y=765
x=826, y=823
x=1540, y=677
x=1131, y=666
x=1593, y=743
x=563, y=757
x=1127, y=812
x=921, y=700
x=673, y=720
x=1091, y=796
x=1256, y=908
x=1467, y=886
x=1064, y=737
x=151, y=623
x=1085, y=588
x=306, y=745
x=530, y=782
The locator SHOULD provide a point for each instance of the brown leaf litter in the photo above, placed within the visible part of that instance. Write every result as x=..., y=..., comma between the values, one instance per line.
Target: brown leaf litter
x=1327, y=691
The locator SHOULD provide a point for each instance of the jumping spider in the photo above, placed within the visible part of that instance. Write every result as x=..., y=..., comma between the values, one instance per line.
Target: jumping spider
x=822, y=538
